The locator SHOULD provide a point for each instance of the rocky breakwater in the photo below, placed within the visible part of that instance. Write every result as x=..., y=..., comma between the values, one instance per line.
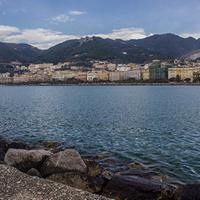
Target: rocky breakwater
x=67, y=167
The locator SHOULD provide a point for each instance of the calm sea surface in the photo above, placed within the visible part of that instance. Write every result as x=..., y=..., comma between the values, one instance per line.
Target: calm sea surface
x=150, y=124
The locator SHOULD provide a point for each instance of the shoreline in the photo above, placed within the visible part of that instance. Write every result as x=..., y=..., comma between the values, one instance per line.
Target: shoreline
x=101, y=84
x=107, y=160
x=87, y=173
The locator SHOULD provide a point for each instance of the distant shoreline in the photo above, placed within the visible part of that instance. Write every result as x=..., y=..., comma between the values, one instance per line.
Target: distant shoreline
x=102, y=84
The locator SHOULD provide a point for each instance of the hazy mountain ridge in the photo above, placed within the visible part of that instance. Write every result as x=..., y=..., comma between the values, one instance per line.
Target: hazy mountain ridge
x=98, y=48
x=18, y=52
x=164, y=46
x=168, y=44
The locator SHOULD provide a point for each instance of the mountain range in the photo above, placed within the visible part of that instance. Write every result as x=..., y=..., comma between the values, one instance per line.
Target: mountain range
x=164, y=46
x=18, y=52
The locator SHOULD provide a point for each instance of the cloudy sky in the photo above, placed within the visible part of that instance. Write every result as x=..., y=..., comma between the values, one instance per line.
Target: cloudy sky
x=44, y=23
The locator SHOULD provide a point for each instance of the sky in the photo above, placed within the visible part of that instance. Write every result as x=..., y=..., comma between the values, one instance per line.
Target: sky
x=44, y=23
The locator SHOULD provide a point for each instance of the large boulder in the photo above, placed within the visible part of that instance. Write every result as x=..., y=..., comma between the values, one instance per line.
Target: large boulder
x=2, y=154
x=18, y=145
x=188, y=192
x=5, y=145
x=3, y=148
x=64, y=161
x=25, y=159
x=80, y=181
x=136, y=188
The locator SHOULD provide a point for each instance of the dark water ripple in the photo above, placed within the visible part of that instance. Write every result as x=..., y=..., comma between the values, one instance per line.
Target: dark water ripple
x=155, y=125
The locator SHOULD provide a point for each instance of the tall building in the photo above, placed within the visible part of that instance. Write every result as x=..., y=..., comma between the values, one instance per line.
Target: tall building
x=158, y=71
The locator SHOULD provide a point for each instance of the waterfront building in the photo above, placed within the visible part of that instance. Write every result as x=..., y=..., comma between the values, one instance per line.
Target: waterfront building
x=103, y=76
x=5, y=78
x=132, y=66
x=100, y=65
x=196, y=76
x=4, y=75
x=36, y=67
x=111, y=67
x=92, y=76
x=76, y=68
x=183, y=73
x=22, y=78
x=145, y=73
x=63, y=75
x=54, y=67
x=30, y=78
x=158, y=72
x=123, y=68
x=40, y=78
x=8, y=80
x=133, y=74
x=81, y=76
x=116, y=76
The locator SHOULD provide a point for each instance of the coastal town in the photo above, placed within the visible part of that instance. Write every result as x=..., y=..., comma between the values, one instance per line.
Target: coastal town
x=102, y=72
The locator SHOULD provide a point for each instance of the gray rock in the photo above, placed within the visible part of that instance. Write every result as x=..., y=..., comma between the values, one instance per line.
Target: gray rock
x=107, y=175
x=136, y=165
x=93, y=168
x=188, y=192
x=25, y=159
x=34, y=172
x=2, y=154
x=145, y=173
x=18, y=145
x=3, y=148
x=64, y=161
x=80, y=181
x=5, y=145
x=136, y=188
